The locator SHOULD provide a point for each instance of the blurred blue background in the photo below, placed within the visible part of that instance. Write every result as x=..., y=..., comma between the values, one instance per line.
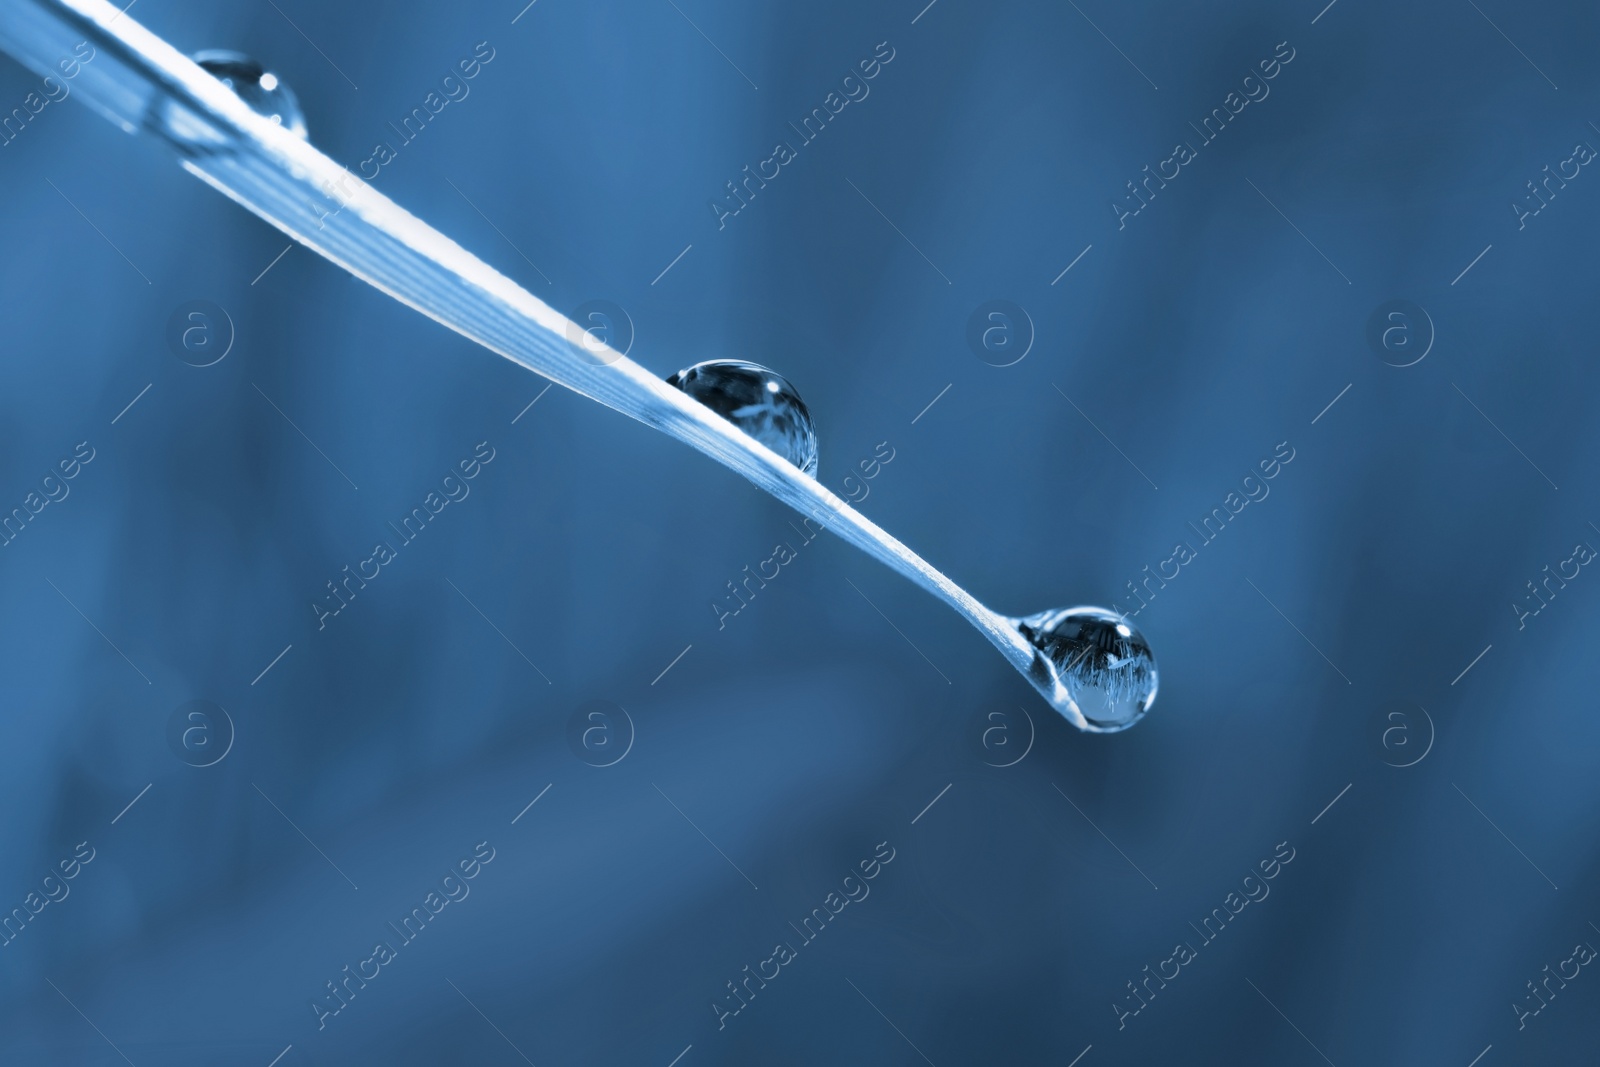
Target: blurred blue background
x=1325, y=639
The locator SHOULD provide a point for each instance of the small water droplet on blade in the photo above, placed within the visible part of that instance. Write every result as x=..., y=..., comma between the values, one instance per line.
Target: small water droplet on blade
x=263, y=91
x=760, y=402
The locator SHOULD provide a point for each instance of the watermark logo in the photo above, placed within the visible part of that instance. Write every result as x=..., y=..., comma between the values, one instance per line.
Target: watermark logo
x=1002, y=737
x=601, y=331
x=200, y=333
x=200, y=733
x=1400, y=332
x=1407, y=736
x=600, y=733
x=1000, y=333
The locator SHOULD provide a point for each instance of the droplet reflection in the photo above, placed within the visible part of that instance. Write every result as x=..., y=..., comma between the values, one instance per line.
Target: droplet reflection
x=1094, y=663
x=759, y=401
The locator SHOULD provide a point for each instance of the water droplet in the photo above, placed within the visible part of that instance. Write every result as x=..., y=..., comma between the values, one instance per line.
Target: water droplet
x=760, y=402
x=263, y=91
x=1092, y=664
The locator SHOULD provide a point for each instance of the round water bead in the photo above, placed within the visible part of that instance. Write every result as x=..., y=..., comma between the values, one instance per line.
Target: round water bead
x=760, y=402
x=1091, y=664
x=262, y=90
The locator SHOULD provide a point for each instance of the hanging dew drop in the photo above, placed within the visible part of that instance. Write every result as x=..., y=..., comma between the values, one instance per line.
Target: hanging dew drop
x=759, y=401
x=1091, y=663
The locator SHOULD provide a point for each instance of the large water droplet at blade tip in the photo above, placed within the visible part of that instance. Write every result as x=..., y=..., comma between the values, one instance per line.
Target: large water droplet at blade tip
x=1092, y=665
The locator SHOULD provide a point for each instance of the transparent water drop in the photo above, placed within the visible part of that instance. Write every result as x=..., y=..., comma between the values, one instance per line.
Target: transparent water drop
x=1091, y=664
x=760, y=402
x=263, y=91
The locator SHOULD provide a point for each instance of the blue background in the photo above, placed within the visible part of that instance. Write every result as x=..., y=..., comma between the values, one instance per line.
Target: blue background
x=1196, y=338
